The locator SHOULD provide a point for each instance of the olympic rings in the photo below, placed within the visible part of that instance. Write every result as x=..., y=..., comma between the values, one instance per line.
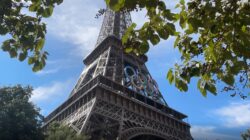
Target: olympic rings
x=139, y=81
x=142, y=82
x=128, y=70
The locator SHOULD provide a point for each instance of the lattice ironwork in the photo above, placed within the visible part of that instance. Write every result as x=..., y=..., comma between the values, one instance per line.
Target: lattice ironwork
x=134, y=122
x=115, y=97
x=115, y=122
x=79, y=117
x=108, y=110
x=114, y=24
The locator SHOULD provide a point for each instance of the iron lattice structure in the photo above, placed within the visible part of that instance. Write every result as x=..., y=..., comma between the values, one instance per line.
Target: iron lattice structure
x=114, y=24
x=115, y=96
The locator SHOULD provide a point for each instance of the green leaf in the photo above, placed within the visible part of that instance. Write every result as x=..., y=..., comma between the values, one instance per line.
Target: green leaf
x=228, y=79
x=37, y=66
x=144, y=47
x=31, y=60
x=115, y=4
x=33, y=7
x=40, y=44
x=154, y=39
x=177, y=5
x=6, y=45
x=170, y=28
x=211, y=88
x=181, y=85
x=190, y=29
x=170, y=76
x=128, y=33
x=47, y=11
x=167, y=14
x=13, y=52
x=128, y=49
x=177, y=40
x=162, y=5
x=183, y=19
x=193, y=24
x=182, y=2
x=201, y=88
x=23, y=56
x=163, y=33
x=243, y=28
x=235, y=69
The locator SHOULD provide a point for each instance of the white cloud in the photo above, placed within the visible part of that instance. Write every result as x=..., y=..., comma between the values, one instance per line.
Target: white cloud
x=51, y=92
x=209, y=133
x=46, y=72
x=57, y=66
x=235, y=114
x=74, y=21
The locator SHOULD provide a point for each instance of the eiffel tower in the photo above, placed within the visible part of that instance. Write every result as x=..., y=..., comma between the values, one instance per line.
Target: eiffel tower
x=115, y=97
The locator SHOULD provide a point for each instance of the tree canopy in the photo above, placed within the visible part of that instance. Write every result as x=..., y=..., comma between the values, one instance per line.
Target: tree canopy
x=246, y=135
x=19, y=118
x=213, y=41
x=21, y=22
x=58, y=131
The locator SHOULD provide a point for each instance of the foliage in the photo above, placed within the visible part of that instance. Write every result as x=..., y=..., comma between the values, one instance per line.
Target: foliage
x=19, y=118
x=26, y=32
x=214, y=43
x=60, y=132
x=246, y=135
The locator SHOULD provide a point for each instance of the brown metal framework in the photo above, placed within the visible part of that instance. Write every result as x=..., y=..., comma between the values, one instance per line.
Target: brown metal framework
x=115, y=97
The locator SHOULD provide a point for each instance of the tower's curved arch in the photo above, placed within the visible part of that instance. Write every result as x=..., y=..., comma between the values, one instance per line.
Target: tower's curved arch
x=147, y=137
x=139, y=133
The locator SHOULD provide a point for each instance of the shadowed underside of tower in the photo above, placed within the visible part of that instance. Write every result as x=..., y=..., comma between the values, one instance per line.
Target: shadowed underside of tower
x=116, y=97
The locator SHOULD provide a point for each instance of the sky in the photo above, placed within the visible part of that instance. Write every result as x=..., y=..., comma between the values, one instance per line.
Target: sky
x=71, y=35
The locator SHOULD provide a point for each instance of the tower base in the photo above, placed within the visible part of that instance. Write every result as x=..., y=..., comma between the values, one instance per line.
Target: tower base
x=108, y=110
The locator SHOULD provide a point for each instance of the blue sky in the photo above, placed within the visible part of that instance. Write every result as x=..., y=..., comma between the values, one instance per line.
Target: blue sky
x=72, y=33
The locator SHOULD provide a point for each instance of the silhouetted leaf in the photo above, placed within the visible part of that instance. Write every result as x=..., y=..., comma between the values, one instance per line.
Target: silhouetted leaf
x=22, y=56
x=154, y=39
x=170, y=76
